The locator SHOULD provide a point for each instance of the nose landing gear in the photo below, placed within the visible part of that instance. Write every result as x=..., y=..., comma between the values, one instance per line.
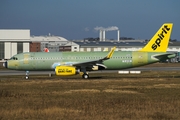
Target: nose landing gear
x=27, y=75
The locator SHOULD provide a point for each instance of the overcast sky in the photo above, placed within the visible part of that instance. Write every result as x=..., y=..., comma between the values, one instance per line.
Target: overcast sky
x=78, y=19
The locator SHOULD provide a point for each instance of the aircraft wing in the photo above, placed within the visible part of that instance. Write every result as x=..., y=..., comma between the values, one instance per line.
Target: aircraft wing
x=94, y=62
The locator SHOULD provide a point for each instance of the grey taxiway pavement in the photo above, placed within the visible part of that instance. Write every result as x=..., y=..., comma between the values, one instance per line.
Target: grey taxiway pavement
x=14, y=72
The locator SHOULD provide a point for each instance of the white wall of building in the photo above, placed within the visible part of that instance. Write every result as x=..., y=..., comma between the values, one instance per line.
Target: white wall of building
x=14, y=35
x=14, y=49
x=129, y=49
x=25, y=47
x=7, y=50
x=81, y=49
x=75, y=48
x=173, y=49
x=95, y=49
x=99, y=49
x=88, y=49
x=10, y=49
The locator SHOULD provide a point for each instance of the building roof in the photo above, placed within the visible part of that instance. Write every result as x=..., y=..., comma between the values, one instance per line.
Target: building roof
x=118, y=43
x=14, y=35
x=94, y=43
x=47, y=39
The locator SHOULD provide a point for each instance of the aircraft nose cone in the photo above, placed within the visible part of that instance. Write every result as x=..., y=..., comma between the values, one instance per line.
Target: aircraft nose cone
x=5, y=64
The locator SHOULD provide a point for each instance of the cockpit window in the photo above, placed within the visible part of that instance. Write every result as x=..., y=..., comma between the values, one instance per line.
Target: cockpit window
x=13, y=58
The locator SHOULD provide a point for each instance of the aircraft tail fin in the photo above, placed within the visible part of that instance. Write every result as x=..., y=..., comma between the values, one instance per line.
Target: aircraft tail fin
x=159, y=42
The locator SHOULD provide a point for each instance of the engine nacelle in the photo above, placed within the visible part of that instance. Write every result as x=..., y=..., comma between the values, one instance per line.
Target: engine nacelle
x=66, y=70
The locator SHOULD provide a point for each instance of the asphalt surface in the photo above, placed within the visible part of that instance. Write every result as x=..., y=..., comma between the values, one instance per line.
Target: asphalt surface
x=14, y=72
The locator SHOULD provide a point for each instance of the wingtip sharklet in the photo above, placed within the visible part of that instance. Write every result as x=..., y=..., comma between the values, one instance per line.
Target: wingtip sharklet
x=111, y=52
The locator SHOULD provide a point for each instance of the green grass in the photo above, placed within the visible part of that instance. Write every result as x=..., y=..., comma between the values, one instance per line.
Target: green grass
x=148, y=96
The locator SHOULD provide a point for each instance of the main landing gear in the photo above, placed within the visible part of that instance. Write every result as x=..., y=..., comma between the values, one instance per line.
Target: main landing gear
x=85, y=76
x=84, y=73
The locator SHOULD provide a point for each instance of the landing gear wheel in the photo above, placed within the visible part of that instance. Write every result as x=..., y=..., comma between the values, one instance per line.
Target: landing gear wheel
x=27, y=77
x=85, y=76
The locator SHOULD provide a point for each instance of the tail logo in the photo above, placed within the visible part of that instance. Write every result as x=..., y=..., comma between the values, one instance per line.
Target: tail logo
x=157, y=43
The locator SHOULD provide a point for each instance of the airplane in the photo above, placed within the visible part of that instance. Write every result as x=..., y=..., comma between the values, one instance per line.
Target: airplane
x=73, y=63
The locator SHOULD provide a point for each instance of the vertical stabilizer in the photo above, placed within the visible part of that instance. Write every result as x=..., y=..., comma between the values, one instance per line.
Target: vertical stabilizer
x=159, y=42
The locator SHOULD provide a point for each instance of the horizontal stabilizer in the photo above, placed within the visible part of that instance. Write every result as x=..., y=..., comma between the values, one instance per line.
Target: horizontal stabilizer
x=165, y=56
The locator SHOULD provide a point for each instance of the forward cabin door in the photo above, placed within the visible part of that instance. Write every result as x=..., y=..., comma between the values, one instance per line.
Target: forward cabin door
x=26, y=59
x=33, y=61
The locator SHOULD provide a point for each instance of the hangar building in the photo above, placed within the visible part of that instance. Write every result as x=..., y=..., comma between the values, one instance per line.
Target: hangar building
x=53, y=43
x=13, y=42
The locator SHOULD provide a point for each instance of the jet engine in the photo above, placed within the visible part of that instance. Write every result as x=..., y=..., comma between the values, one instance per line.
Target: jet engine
x=66, y=70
